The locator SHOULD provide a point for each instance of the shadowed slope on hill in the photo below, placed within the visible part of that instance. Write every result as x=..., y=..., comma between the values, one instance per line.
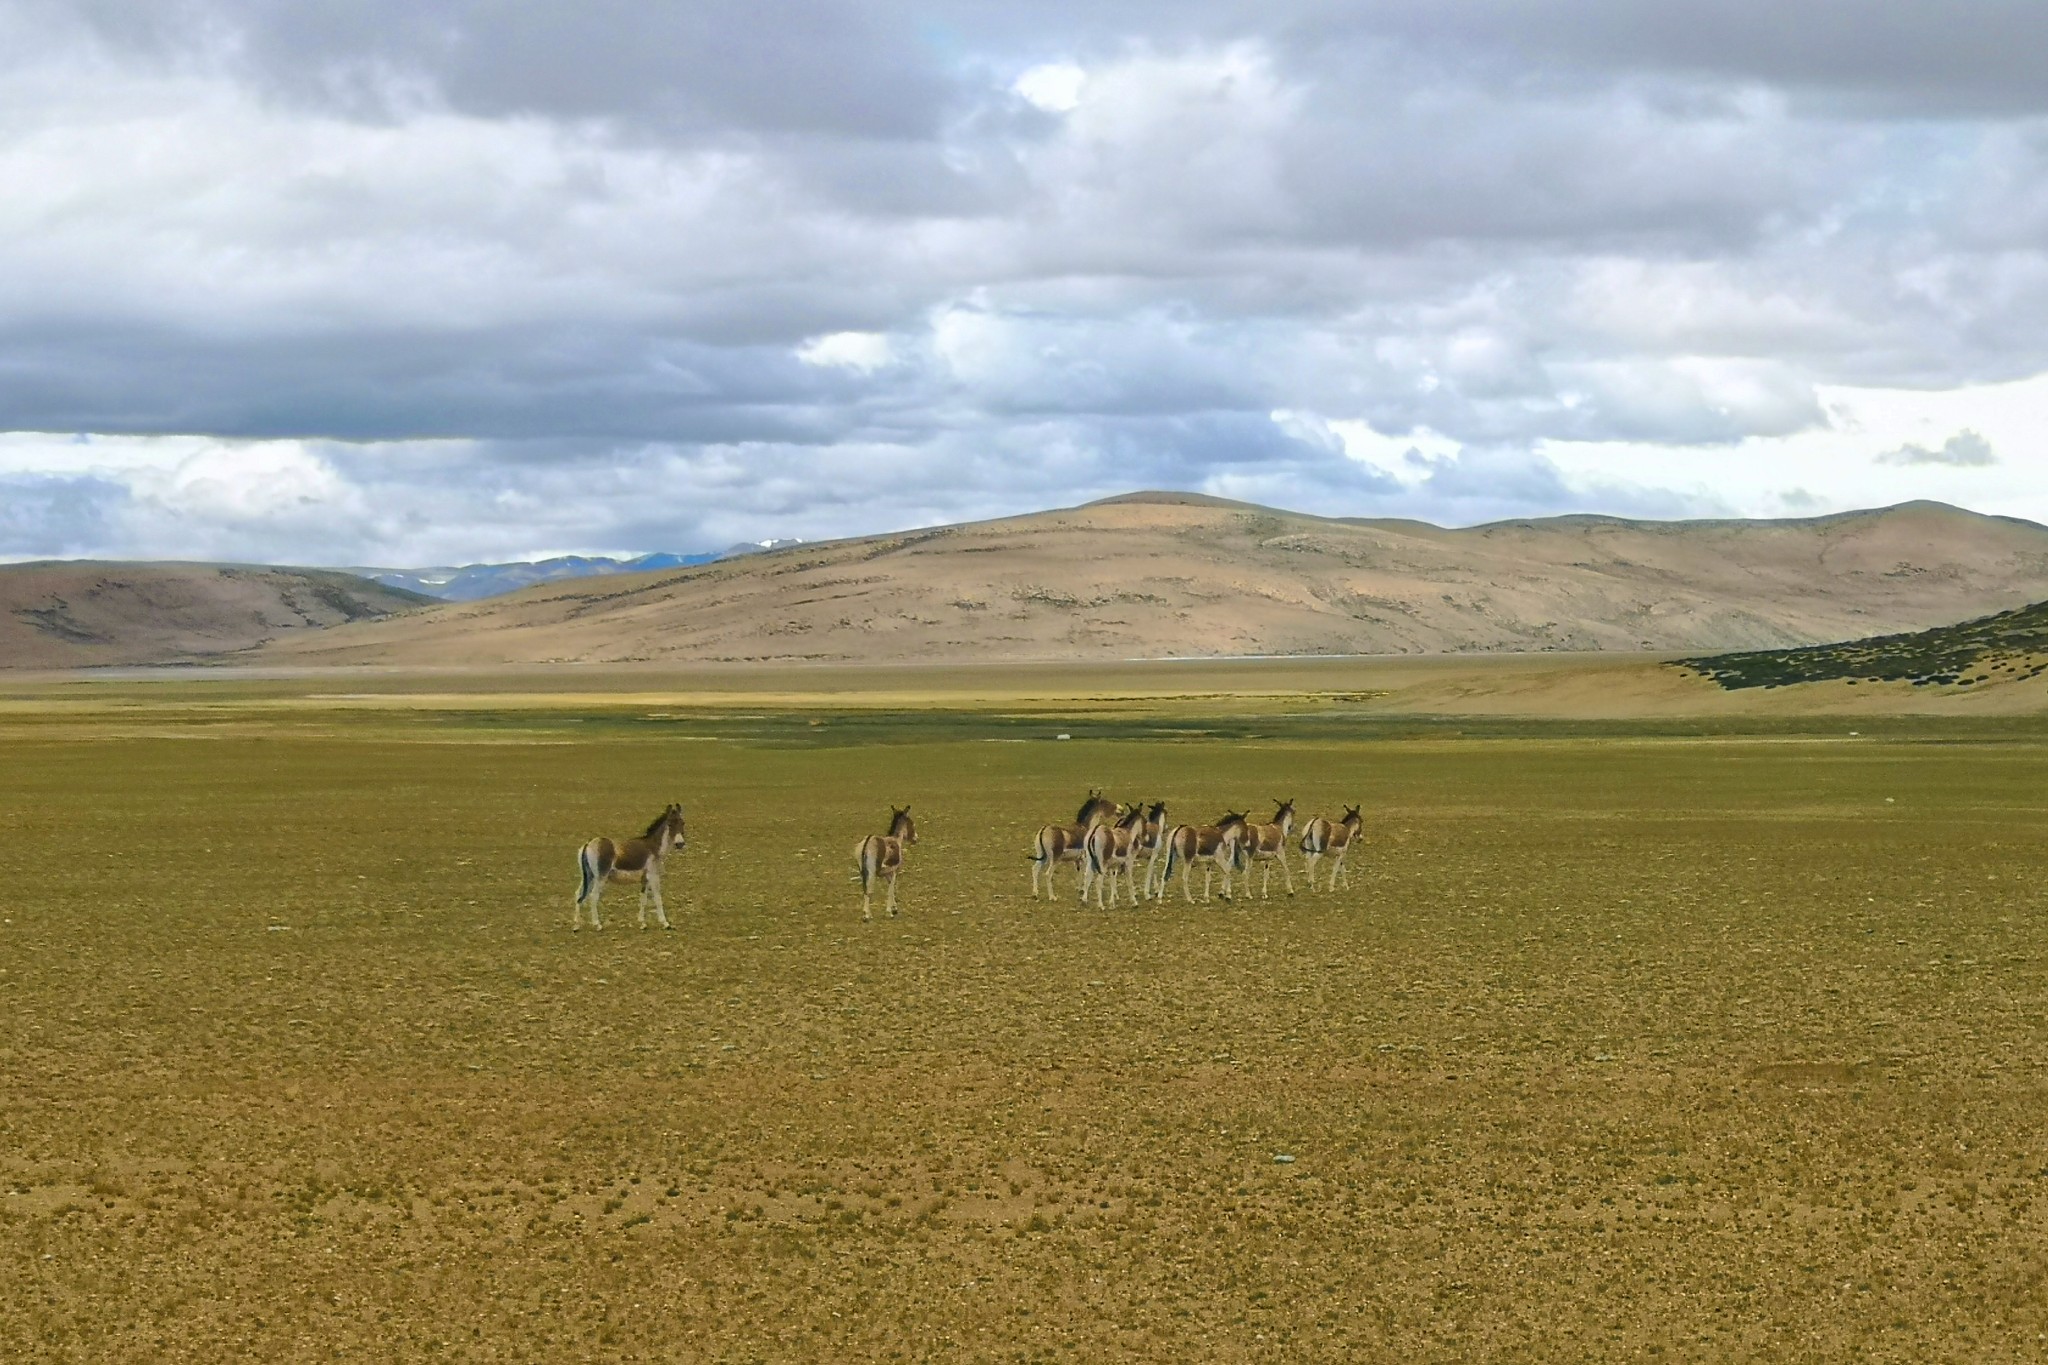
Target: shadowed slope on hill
x=1154, y=575
x=2011, y=644
x=80, y=614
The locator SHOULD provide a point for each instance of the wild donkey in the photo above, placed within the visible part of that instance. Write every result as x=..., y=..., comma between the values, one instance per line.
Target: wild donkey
x=635, y=860
x=1112, y=851
x=1058, y=844
x=1321, y=837
x=1215, y=846
x=1152, y=848
x=881, y=856
x=1267, y=844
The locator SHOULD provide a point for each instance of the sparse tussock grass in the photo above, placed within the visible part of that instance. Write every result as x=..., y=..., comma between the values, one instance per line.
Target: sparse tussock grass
x=1621, y=1044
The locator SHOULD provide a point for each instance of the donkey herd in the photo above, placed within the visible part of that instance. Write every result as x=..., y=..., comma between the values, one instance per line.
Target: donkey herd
x=1107, y=842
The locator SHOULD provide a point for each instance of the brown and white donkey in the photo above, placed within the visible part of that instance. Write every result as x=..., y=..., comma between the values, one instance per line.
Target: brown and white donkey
x=1266, y=843
x=880, y=857
x=1331, y=839
x=631, y=860
x=1058, y=844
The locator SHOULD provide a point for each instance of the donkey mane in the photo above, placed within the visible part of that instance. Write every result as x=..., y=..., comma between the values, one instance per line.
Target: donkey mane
x=659, y=821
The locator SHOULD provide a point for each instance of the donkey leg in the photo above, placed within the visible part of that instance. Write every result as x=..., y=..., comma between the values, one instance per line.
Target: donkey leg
x=651, y=890
x=892, y=896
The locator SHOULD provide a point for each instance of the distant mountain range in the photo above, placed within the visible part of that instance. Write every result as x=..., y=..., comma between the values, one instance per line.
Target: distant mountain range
x=1146, y=576
x=470, y=582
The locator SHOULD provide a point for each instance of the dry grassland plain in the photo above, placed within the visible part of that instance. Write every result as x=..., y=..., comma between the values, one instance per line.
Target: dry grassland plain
x=1629, y=1041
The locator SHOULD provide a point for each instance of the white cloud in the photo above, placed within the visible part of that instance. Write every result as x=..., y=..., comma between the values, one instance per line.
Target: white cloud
x=1831, y=467
x=863, y=352
x=270, y=483
x=1054, y=87
x=1406, y=457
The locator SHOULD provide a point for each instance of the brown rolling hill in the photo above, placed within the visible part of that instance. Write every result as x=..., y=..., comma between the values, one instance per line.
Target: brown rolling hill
x=1165, y=575
x=78, y=614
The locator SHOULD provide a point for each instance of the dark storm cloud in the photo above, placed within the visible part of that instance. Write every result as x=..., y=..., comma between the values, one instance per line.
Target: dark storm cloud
x=762, y=65
x=597, y=385
x=892, y=68
x=1920, y=57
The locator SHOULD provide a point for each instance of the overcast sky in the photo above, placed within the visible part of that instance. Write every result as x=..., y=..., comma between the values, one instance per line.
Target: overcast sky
x=428, y=281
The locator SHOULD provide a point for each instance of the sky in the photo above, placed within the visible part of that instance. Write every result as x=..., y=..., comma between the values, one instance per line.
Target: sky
x=410, y=282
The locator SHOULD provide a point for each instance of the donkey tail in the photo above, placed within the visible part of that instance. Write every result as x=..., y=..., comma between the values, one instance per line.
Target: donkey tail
x=583, y=864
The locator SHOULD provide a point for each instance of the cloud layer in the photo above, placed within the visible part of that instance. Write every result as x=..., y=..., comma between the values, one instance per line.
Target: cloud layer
x=370, y=282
